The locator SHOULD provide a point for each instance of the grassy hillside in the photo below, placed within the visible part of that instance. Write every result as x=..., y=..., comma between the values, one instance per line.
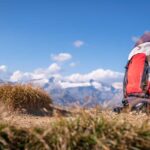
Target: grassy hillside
x=82, y=129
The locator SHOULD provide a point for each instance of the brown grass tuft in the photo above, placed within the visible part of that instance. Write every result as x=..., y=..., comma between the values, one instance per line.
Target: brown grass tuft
x=25, y=99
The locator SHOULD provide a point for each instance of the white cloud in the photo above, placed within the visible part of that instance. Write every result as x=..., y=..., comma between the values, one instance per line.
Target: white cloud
x=38, y=74
x=78, y=43
x=69, y=84
x=54, y=68
x=42, y=76
x=16, y=76
x=98, y=75
x=97, y=85
x=3, y=68
x=4, y=74
x=118, y=85
x=20, y=76
x=61, y=57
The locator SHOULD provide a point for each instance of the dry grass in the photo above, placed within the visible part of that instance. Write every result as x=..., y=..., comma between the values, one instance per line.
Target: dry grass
x=25, y=99
x=86, y=130
x=83, y=129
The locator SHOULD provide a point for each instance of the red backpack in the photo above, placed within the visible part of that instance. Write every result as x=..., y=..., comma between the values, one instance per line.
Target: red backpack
x=136, y=77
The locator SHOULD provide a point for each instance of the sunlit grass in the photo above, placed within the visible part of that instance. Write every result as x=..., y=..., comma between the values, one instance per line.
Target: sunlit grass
x=89, y=130
x=82, y=129
x=24, y=98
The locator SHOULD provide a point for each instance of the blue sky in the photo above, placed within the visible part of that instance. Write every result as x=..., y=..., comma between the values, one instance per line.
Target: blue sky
x=32, y=32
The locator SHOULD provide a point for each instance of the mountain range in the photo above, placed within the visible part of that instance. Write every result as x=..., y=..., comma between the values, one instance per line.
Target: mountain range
x=88, y=93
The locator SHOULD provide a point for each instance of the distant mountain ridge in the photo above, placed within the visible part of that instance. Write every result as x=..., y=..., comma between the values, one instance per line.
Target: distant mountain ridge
x=88, y=93
x=84, y=93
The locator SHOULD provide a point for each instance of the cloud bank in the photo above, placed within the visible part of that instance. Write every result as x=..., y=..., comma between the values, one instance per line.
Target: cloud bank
x=42, y=75
x=97, y=75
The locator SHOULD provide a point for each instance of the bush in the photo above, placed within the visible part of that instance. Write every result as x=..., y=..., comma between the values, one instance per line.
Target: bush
x=25, y=99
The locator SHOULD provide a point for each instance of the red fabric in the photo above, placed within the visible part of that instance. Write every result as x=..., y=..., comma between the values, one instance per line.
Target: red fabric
x=134, y=74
